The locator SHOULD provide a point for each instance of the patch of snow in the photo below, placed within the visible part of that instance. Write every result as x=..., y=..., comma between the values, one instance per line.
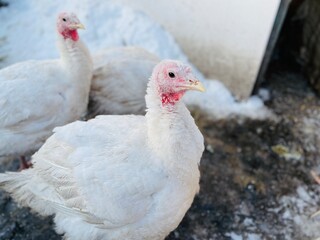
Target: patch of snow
x=253, y=236
x=248, y=222
x=28, y=32
x=218, y=100
x=209, y=148
x=234, y=236
x=303, y=194
x=311, y=132
x=287, y=214
x=264, y=94
x=297, y=209
x=249, y=236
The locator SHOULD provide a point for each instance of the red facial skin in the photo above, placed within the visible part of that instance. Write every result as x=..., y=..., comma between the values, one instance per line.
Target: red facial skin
x=171, y=98
x=72, y=34
x=64, y=22
x=168, y=85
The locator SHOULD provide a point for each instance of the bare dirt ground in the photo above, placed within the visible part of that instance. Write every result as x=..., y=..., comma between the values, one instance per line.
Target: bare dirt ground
x=255, y=183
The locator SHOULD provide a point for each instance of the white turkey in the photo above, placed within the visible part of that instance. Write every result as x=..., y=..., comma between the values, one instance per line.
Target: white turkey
x=36, y=96
x=119, y=82
x=119, y=177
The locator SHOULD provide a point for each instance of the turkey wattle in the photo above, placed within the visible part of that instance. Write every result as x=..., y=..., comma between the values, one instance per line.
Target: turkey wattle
x=120, y=177
x=37, y=96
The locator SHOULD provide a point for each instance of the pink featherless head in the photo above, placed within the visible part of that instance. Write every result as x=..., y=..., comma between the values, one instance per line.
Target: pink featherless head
x=173, y=79
x=67, y=25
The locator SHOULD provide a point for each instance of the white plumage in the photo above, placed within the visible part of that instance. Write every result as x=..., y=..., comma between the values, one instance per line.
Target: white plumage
x=120, y=78
x=119, y=177
x=36, y=96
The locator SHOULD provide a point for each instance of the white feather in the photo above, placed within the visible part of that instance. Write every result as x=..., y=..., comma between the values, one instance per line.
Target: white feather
x=37, y=96
x=120, y=78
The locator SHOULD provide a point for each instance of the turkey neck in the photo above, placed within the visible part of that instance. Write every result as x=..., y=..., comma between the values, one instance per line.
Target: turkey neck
x=173, y=135
x=77, y=60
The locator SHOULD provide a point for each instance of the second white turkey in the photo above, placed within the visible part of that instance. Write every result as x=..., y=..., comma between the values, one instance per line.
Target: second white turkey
x=119, y=82
x=36, y=96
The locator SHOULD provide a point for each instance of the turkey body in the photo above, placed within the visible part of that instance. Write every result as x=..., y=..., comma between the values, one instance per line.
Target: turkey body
x=36, y=96
x=120, y=78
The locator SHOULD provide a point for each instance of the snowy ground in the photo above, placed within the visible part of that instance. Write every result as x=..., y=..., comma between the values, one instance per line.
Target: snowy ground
x=256, y=182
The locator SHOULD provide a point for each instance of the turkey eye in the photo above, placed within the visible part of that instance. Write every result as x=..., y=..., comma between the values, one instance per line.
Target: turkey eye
x=171, y=74
x=64, y=19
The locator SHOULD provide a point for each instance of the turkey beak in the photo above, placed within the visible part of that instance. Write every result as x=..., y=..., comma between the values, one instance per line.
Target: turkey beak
x=194, y=84
x=77, y=26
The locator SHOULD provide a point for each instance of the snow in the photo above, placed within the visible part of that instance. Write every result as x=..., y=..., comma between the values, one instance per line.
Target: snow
x=292, y=216
x=27, y=29
x=298, y=208
x=235, y=236
x=264, y=94
x=311, y=138
x=253, y=236
x=250, y=236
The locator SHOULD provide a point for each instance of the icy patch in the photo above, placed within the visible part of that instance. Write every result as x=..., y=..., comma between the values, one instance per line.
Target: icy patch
x=234, y=236
x=264, y=94
x=250, y=236
x=28, y=32
x=290, y=219
x=218, y=100
x=253, y=236
x=297, y=209
x=311, y=131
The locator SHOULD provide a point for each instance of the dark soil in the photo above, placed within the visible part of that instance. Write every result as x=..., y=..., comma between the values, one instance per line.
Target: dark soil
x=3, y=4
